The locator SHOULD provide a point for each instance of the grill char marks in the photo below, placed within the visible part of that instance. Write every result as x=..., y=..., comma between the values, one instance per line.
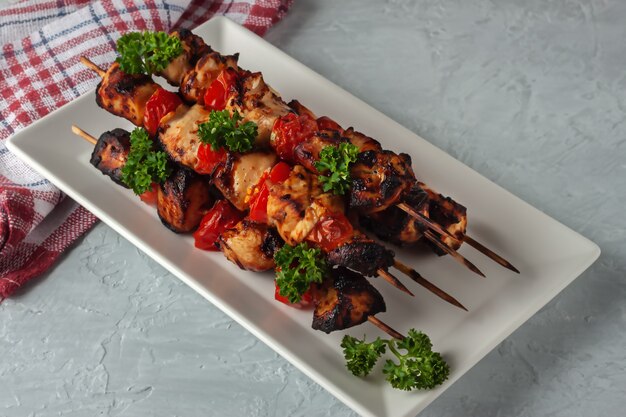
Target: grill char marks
x=125, y=95
x=379, y=179
x=110, y=154
x=250, y=245
x=345, y=299
x=182, y=200
x=363, y=255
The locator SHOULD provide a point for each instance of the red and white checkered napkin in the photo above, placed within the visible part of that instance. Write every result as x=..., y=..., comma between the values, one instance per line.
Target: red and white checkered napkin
x=41, y=72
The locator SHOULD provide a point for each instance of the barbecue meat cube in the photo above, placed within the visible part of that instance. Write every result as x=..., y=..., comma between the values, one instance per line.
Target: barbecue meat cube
x=379, y=179
x=182, y=200
x=250, y=245
x=395, y=225
x=124, y=94
x=447, y=213
x=362, y=254
x=178, y=134
x=240, y=173
x=193, y=49
x=299, y=108
x=257, y=102
x=343, y=300
x=110, y=154
x=308, y=152
x=361, y=141
x=295, y=205
x=194, y=83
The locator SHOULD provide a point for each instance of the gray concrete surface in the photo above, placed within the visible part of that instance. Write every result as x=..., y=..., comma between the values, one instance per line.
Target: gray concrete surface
x=529, y=93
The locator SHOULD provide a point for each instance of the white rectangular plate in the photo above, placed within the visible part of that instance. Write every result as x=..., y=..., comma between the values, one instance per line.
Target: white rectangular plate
x=548, y=254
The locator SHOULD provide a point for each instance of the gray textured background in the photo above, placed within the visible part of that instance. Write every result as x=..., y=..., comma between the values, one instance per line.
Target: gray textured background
x=528, y=93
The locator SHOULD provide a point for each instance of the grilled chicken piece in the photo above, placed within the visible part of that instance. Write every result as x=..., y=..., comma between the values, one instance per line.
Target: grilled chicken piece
x=124, y=94
x=250, y=245
x=193, y=49
x=343, y=300
x=308, y=151
x=178, y=134
x=379, y=179
x=182, y=200
x=110, y=154
x=257, y=102
x=195, y=82
x=395, y=225
x=361, y=141
x=449, y=214
x=240, y=173
x=362, y=254
x=299, y=108
x=295, y=205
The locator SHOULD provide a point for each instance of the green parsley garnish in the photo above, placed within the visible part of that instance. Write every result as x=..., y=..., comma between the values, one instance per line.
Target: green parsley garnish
x=298, y=267
x=222, y=130
x=418, y=368
x=144, y=165
x=147, y=52
x=334, y=164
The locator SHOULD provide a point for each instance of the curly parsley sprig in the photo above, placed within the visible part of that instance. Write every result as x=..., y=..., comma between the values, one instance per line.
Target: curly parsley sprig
x=147, y=52
x=418, y=368
x=334, y=167
x=297, y=268
x=225, y=131
x=144, y=165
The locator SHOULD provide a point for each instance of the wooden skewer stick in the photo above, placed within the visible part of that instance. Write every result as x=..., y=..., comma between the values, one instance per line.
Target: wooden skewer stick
x=457, y=256
x=415, y=276
x=489, y=253
x=470, y=241
x=419, y=217
x=394, y=281
x=80, y=132
x=385, y=328
x=92, y=66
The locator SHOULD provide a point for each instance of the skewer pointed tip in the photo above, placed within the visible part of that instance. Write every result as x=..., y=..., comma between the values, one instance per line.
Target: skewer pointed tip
x=490, y=254
x=394, y=281
x=417, y=277
x=457, y=256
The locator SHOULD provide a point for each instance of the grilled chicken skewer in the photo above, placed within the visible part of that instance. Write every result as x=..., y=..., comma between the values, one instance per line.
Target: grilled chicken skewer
x=258, y=103
x=345, y=298
x=357, y=252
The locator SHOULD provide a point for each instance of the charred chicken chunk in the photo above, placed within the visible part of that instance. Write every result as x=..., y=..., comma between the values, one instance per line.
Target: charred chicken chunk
x=362, y=254
x=240, y=173
x=308, y=152
x=178, y=134
x=193, y=49
x=343, y=300
x=124, y=94
x=182, y=200
x=296, y=205
x=250, y=245
x=110, y=154
x=379, y=179
x=194, y=83
x=447, y=213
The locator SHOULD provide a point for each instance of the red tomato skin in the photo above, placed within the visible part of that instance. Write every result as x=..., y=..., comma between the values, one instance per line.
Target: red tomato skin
x=216, y=95
x=305, y=302
x=290, y=130
x=208, y=159
x=150, y=196
x=158, y=105
x=222, y=216
x=331, y=231
x=258, y=201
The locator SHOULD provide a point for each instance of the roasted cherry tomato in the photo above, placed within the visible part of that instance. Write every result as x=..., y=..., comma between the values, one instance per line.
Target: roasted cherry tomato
x=288, y=131
x=216, y=95
x=208, y=159
x=159, y=104
x=331, y=231
x=305, y=302
x=222, y=216
x=326, y=123
x=258, y=201
x=150, y=196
